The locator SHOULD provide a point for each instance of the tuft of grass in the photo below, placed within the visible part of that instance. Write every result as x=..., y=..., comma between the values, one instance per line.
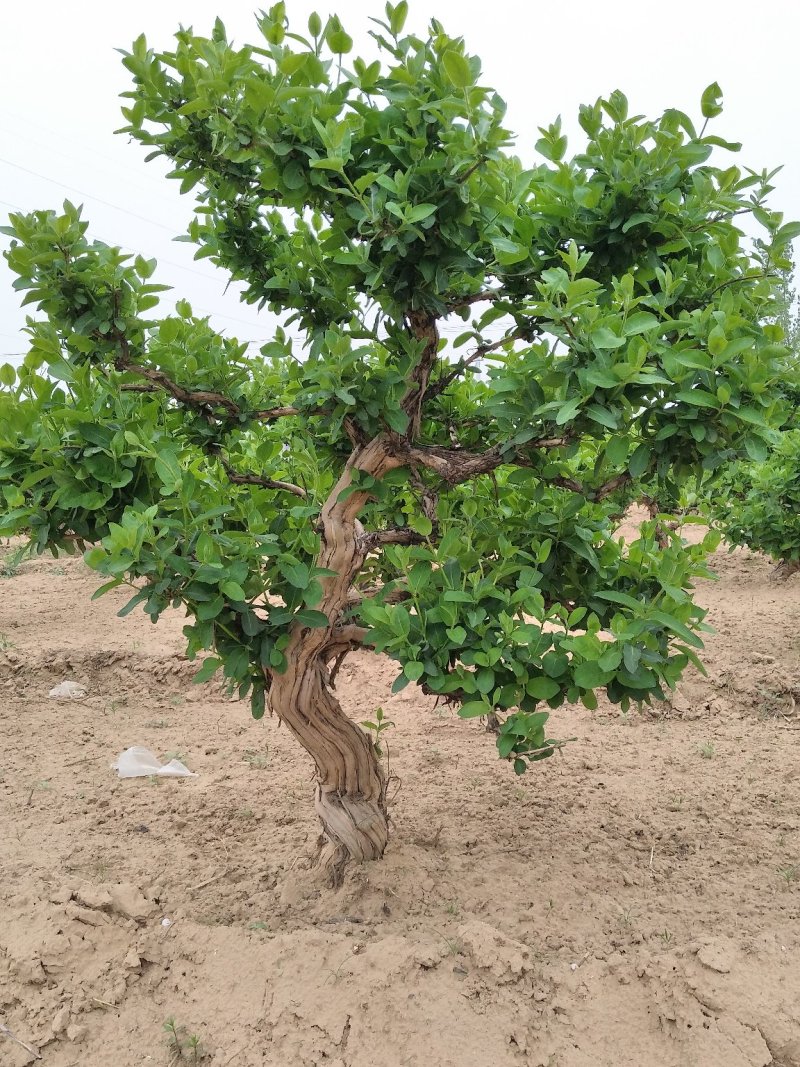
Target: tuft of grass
x=707, y=750
x=5, y=642
x=790, y=873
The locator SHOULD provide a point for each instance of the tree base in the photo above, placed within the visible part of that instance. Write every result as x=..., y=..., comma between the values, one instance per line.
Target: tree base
x=785, y=569
x=354, y=829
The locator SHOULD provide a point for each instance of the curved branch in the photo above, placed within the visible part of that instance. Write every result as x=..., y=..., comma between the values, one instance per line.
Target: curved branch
x=455, y=465
x=194, y=398
x=254, y=479
x=439, y=386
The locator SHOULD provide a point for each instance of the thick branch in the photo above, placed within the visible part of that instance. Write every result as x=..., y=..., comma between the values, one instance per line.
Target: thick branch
x=422, y=325
x=486, y=296
x=398, y=536
x=455, y=465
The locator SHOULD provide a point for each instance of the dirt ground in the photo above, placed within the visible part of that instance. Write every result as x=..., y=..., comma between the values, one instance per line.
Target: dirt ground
x=632, y=904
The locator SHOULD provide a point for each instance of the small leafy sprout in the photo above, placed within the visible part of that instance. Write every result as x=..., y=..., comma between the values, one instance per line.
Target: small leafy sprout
x=181, y=1045
x=377, y=728
x=666, y=936
x=707, y=750
x=5, y=642
x=790, y=873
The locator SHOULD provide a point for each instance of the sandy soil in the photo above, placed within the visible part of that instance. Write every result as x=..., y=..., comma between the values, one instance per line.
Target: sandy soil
x=632, y=904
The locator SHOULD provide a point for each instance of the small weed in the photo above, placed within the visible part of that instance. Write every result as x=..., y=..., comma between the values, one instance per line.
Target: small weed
x=177, y=699
x=675, y=803
x=335, y=974
x=259, y=924
x=9, y=565
x=157, y=724
x=455, y=946
x=182, y=1045
x=665, y=936
x=257, y=760
x=245, y=813
x=452, y=907
x=154, y=780
x=59, y=572
x=707, y=750
x=790, y=873
x=626, y=917
x=175, y=755
x=377, y=727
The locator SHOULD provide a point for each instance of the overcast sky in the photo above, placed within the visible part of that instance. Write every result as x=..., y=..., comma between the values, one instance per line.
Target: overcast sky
x=60, y=78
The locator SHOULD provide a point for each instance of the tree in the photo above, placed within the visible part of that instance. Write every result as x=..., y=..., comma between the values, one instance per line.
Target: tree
x=756, y=501
x=376, y=491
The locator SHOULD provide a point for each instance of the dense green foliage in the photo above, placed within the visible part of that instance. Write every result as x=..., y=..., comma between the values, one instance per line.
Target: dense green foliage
x=760, y=504
x=365, y=201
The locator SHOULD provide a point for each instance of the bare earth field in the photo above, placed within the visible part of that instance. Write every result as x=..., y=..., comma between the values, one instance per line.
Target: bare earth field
x=632, y=904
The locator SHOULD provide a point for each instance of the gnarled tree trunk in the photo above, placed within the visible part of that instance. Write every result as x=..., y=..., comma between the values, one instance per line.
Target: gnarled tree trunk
x=350, y=790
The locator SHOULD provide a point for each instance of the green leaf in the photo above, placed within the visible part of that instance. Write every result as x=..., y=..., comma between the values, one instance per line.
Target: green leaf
x=420, y=212
x=617, y=450
x=639, y=461
x=398, y=17
x=568, y=411
x=339, y=42
x=542, y=688
x=711, y=101
x=678, y=628
x=615, y=597
x=473, y=708
x=168, y=469
x=413, y=670
x=209, y=668
x=640, y=322
x=602, y=415
x=312, y=618
x=457, y=69
x=591, y=676
x=603, y=338
x=233, y=591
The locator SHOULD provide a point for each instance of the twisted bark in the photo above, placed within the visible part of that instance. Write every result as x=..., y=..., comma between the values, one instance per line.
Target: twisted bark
x=350, y=787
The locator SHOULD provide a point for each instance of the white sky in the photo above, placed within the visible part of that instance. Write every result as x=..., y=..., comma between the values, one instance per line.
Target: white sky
x=60, y=78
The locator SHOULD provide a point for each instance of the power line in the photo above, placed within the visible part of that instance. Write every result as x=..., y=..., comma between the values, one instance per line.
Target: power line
x=91, y=196
x=75, y=155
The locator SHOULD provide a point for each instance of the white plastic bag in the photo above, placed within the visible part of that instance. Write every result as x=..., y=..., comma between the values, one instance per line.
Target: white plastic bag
x=68, y=690
x=138, y=762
